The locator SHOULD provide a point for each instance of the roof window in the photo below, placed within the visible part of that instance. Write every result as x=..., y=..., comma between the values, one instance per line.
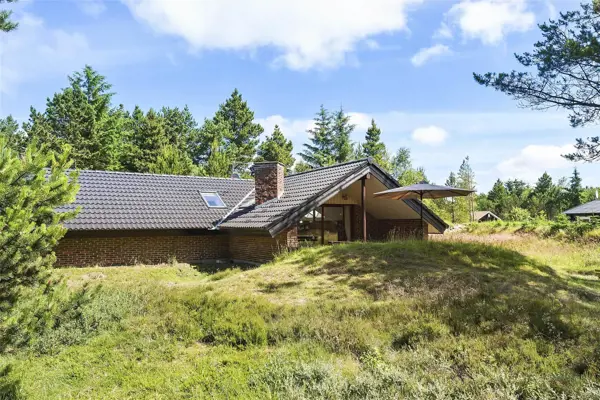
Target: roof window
x=213, y=200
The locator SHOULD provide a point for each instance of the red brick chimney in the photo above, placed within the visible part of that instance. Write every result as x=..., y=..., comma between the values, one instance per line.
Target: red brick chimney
x=268, y=180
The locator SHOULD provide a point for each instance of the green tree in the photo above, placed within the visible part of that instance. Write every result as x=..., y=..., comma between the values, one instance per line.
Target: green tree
x=240, y=132
x=6, y=24
x=499, y=199
x=217, y=161
x=148, y=138
x=546, y=198
x=173, y=161
x=374, y=147
x=403, y=171
x=81, y=115
x=320, y=152
x=567, y=74
x=277, y=148
x=575, y=190
x=465, y=179
x=15, y=138
x=342, y=130
x=301, y=166
x=181, y=129
x=452, y=182
x=32, y=188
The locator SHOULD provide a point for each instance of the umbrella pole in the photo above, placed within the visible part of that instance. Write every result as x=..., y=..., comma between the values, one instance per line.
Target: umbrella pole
x=422, y=229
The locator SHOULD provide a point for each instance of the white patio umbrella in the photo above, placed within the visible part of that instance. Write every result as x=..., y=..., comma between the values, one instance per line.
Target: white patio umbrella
x=422, y=191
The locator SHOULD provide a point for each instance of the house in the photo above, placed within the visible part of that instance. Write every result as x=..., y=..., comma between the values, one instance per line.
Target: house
x=127, y=218
x=584, y=211
x=484, y=216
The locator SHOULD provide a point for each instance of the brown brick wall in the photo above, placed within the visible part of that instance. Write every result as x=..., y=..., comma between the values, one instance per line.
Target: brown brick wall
x=103, y=251
x=261, y=248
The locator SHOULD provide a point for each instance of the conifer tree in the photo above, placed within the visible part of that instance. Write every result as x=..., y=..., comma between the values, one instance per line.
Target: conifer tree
x=320, y=152
x=148, y=138
x=373, y=146
x=240, y=132
x=451, y=181
x=342, y=130
x=15, y=138
x=277, y=148
x=575, y=189
x=81, y=115
x=466, y=180
x=30, y=225
x=6, y=24
x=173, y=161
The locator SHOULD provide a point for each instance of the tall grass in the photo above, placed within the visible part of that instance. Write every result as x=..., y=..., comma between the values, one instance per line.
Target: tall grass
x=414, y=319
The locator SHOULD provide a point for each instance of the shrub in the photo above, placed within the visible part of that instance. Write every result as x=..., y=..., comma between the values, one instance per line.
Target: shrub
x=30, y=225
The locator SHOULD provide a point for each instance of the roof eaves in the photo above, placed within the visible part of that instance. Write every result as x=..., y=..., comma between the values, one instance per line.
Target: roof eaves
x=293, y=215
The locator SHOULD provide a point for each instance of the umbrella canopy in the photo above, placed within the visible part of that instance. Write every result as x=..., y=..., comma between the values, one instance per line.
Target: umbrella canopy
x=422, y=191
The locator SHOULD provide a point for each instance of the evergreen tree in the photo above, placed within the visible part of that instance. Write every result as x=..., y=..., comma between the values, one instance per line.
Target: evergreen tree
x=181, y=129
x=81, y=116
x=30, y=225
x=6, y=24
x=148, y=138
x=499, y=200
x=320, y=152
x=575, y=190
x=241, y=133
x=546, y=197
x=173, y=161
x=403, y=171
x=466, y=180
x=277, y=148
x=301, y=166
x=374, y=147
x=9, y=130
x=218, y=160
x=342, y=130
x=452, y=182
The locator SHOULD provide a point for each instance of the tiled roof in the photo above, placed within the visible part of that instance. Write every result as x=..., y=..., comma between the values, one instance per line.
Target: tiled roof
x=121, y=200
x=298, y=190
x=593, y=207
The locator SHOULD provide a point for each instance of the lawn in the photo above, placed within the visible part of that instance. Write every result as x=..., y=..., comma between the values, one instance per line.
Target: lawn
x=483, y=317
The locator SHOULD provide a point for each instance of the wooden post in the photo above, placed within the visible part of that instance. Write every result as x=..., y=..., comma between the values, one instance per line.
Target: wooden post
x=322, y=225
x=363, y=197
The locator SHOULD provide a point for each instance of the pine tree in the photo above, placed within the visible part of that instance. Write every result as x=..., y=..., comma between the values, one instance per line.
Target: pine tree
x=498, y=198
x=277, y=148
x=241, y=134
x=320, y=152
x=575, y=190
x=181, y=129
x=452, y=182
x=546, y=197
x=6, y=24
x=466, y=180
x=148, y=139
x=217, y=161
x=81, y=115
x=342, y=130
x=30, y=225
x=15, y=138
x=374, y=147
x=173, y=161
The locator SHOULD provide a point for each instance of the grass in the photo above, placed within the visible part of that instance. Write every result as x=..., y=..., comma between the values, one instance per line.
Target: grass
x=470, y=316
x=560, y=229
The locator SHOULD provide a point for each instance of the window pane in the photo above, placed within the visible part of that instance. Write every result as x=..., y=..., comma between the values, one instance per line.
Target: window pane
x=213, y=199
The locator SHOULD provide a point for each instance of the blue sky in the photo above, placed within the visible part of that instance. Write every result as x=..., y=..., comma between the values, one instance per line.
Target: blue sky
x=406, y=63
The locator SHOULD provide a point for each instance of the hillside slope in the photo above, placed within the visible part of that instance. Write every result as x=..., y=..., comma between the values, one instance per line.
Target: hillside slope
x=448, y=319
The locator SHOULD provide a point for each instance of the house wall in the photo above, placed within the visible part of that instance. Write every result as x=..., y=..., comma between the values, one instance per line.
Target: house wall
x=385, y=229
x=129, y=248
x=260, y=248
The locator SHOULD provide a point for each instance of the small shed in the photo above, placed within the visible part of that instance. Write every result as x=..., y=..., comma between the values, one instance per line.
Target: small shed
x=584, y=211
x=484, y=216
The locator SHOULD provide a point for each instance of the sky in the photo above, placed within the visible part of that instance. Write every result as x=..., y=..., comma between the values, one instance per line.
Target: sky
x=406, y=63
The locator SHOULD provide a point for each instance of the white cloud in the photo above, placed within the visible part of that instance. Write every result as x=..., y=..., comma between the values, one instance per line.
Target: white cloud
x=491, y=20
x=431, y=135
x=290, y=128
x=305, y=34
x=443, y=32
x=426, y=54
x=34, y=51
x=533, y=160
x=91, y=7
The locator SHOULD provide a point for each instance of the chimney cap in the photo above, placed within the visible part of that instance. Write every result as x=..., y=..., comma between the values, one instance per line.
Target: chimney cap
x=259, y=163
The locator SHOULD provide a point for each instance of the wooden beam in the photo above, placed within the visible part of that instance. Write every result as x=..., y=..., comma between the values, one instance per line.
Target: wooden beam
x=363, y=198
x=322, y=225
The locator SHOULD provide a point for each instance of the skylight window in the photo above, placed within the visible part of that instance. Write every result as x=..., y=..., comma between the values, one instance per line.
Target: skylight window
x=213, y=200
